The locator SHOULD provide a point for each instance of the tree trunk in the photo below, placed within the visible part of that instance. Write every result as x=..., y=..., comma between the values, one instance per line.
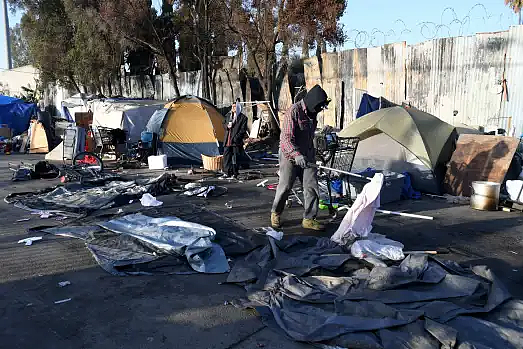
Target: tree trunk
x=205, y=75
x=75, y=85
x=109, y=86
x=171, y=62
x=270, y=78
x=323, y=46
x=305, y=46
x=213, y=85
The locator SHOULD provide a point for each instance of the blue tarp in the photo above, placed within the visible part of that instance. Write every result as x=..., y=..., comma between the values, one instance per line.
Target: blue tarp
x=370, y=103
x=16, y=113
x=66, y=114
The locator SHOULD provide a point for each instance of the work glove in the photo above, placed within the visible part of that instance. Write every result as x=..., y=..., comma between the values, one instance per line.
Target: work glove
x=300, y=161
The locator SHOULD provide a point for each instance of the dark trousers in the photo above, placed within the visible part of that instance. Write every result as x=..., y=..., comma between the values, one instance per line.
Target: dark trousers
x=230, y=161
x=308, y=177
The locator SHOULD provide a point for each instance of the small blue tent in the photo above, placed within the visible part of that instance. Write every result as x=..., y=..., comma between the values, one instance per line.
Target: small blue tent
x=16, y=113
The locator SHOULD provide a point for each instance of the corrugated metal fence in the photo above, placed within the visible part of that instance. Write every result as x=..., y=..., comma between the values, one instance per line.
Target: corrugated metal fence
x=470, y=80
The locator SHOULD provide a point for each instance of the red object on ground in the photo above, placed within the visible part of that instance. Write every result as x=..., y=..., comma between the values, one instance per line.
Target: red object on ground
x=88, y=159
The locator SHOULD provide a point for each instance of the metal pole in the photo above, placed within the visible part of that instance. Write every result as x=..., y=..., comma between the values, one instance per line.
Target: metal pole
x=403, y=214
x=340, y=171
x=7, y=37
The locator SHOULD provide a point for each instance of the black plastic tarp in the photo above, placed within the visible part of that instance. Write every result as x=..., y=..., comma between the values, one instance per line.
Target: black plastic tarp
x=313, y=291
x=81, y=199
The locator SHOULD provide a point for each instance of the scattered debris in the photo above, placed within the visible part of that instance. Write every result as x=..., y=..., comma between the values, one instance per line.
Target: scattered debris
x=148, y=200
x=60, y=218
x=131, y=201
x=29, y=304
x=23, y=220
x=189, y=186
x=262, y=183
x=64, y=283
x=63, y=301
x=513, y=252
x=43, y=214
x=119, y=211
x=204, y=191
x=228, y=205
x=29, y=241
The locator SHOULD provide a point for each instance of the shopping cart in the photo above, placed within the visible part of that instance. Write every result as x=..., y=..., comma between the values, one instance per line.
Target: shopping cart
x=336, y=153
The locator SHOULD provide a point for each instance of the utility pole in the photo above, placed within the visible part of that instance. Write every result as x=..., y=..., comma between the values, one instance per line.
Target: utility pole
x=7, y=37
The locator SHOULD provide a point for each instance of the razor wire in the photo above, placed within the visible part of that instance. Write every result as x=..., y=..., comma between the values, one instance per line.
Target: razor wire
x=450, y=24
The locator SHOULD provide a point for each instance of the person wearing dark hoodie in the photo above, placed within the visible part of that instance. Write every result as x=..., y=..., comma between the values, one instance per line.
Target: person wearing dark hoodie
x=296, y=153
x=236, y=129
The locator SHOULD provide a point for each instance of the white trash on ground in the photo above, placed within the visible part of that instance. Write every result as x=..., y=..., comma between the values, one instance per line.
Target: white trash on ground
x=62, y=301
x=64, y=283
x=358, y=220
x=378, y=246
x=148, y=200
x=29, y=241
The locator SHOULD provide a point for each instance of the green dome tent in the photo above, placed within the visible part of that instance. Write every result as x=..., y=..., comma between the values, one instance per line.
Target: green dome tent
x=400, y=139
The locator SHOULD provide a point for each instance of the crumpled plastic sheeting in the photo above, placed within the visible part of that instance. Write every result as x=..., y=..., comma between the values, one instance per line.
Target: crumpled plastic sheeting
x=358, y=219
x=313, y=292
x=378, y=246
x=137, y=239
x=76, y=198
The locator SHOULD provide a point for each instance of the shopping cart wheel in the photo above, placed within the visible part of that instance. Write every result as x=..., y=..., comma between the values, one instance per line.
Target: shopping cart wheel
x=87, y=159
x=333, y=212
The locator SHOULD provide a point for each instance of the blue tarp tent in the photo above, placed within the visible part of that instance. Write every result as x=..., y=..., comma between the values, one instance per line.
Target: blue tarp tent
x=16, y=113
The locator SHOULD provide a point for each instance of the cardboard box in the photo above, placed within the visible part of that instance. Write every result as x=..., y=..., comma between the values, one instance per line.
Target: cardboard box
x=83, y=119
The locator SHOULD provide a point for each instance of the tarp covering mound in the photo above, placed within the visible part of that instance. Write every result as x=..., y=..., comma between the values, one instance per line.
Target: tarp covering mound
x=131, y=115
x=400, y=139
x=188, y=127
x=16, y=113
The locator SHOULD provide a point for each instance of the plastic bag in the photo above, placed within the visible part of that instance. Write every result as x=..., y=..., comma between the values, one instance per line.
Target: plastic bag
x=358, y=220
x=378, y=246
x=148, y=200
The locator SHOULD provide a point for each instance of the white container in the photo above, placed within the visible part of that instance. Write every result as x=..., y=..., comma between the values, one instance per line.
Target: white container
x=158, y=162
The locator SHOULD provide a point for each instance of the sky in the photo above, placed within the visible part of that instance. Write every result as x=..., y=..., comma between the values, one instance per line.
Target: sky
x=374, y=22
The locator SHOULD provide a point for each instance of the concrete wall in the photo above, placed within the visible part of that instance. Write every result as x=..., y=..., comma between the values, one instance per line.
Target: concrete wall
x=13, y=80
x=463, y=74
